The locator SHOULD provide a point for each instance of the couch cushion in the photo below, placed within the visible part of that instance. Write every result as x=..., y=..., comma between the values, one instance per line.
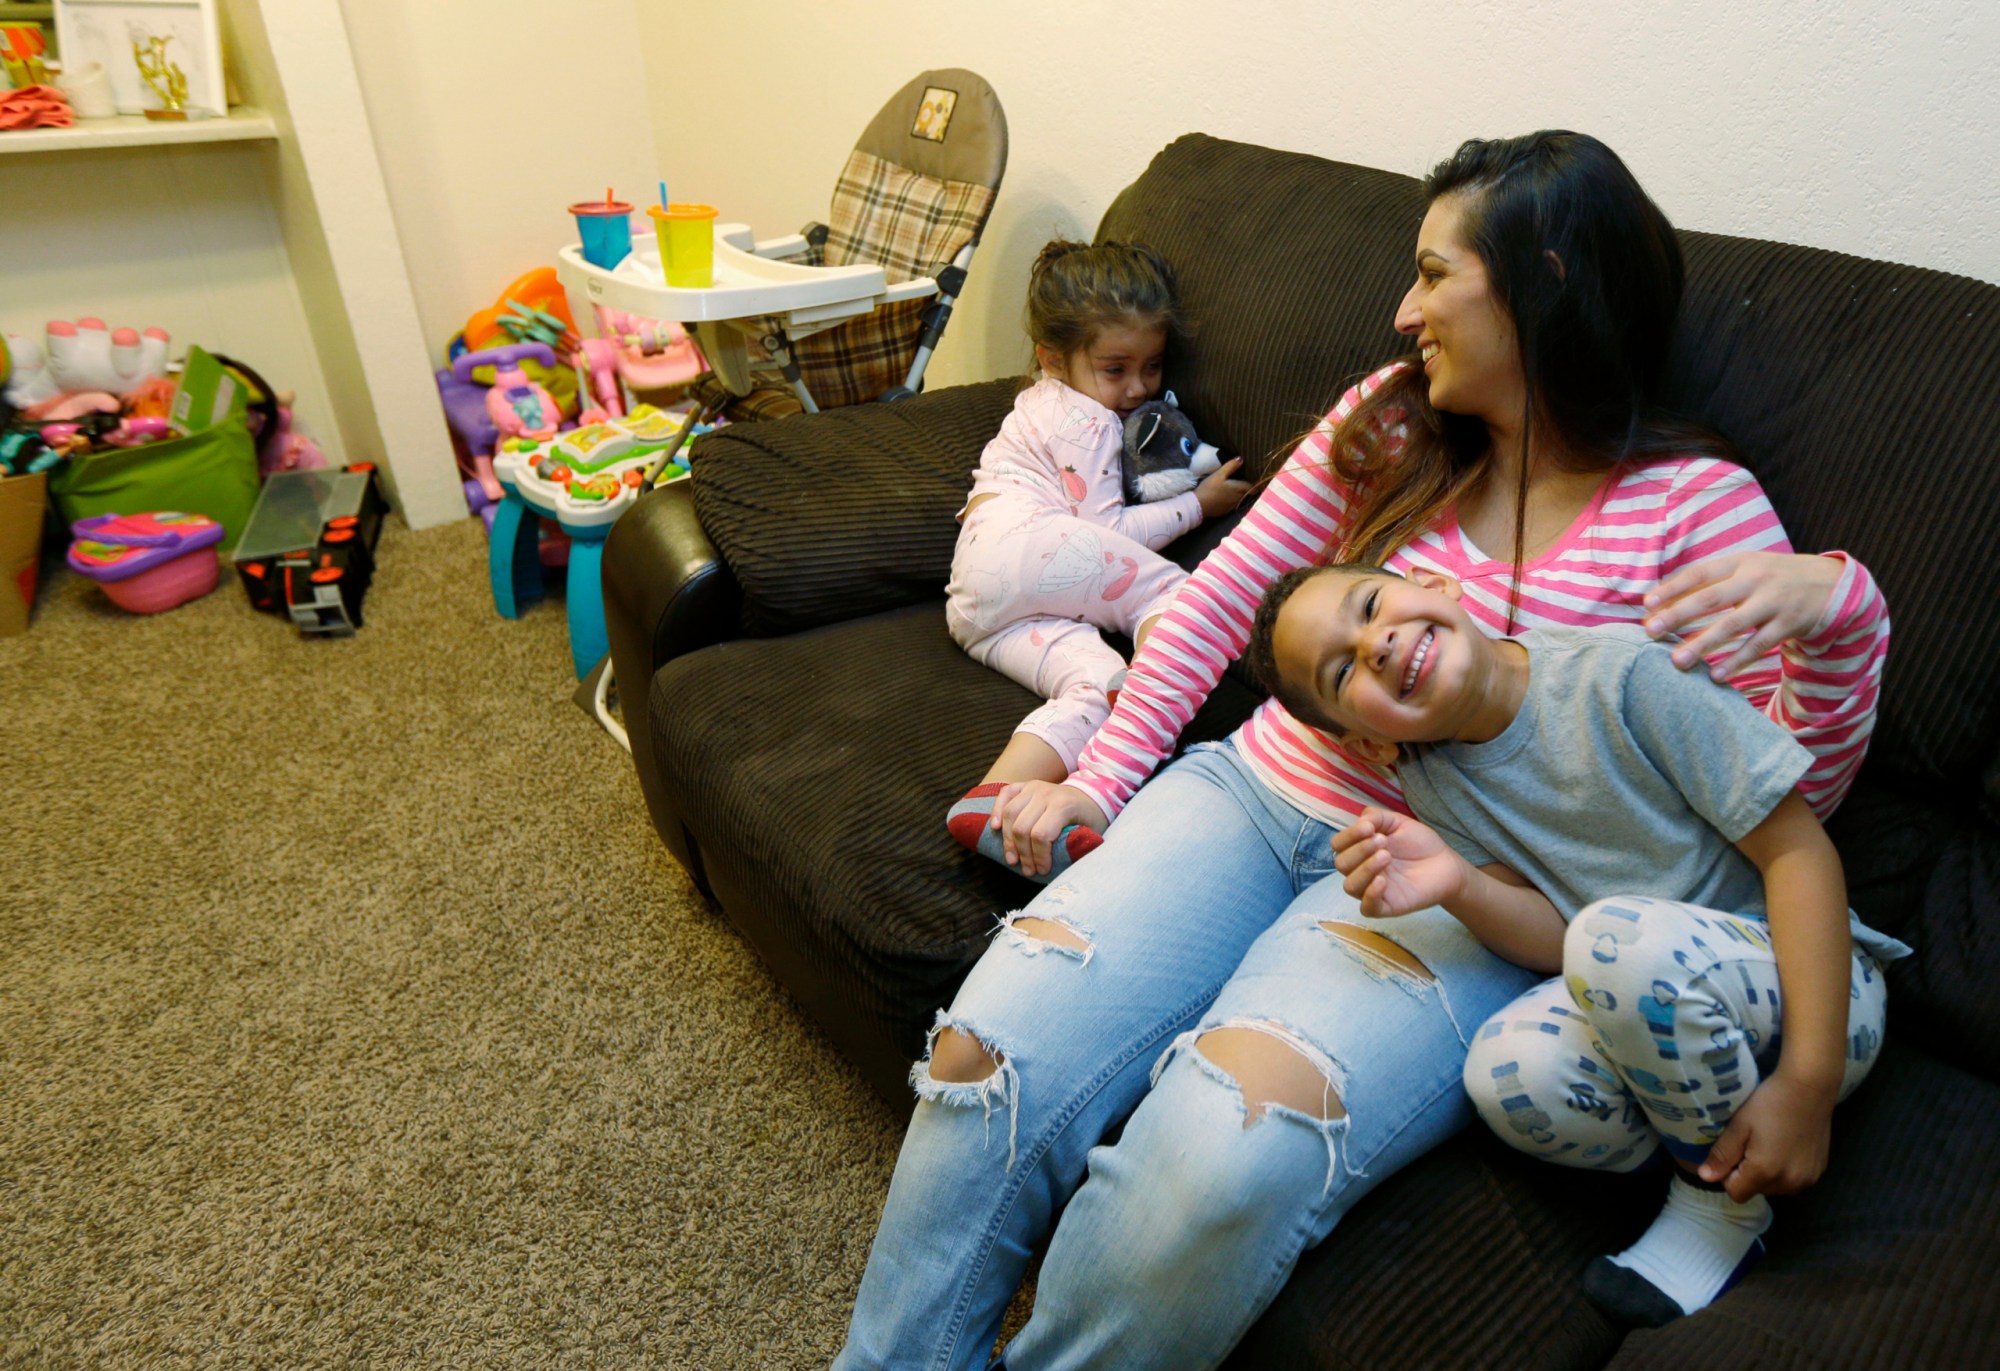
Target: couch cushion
x=1889, y=1261
x=874, y=915
x=1931, y=876
x=1471, y=1257
x=1290, y=269
x=835, y=515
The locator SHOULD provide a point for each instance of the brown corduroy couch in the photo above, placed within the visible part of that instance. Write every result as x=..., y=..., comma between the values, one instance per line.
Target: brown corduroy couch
x=800, y=720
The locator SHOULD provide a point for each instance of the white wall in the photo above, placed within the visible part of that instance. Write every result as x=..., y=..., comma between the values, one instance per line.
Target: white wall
x=192, y=247
x=1868, y=127
x=492, y=117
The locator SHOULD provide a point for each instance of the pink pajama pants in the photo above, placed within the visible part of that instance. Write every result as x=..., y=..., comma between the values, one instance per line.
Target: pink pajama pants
x=1030, y=588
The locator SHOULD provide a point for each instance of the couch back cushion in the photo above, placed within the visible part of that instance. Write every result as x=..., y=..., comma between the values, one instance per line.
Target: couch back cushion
x=1290, y=269
x=1866, y=396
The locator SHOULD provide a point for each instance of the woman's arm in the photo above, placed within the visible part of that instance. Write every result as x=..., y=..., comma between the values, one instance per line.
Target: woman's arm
x=1778, y=1141
x=1293, y=522
x=1728, y=557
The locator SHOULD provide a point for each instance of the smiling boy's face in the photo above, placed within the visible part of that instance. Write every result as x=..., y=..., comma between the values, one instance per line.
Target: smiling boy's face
x=1382, y=660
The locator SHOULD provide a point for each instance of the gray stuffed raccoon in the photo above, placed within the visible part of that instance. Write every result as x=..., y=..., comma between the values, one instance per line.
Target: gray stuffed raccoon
x=1162, y=457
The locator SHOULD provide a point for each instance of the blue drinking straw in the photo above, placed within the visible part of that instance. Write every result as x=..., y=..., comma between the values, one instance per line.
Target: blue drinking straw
x=663, y=192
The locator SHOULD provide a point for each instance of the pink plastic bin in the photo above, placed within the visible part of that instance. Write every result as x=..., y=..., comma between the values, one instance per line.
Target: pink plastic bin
x=148, y=562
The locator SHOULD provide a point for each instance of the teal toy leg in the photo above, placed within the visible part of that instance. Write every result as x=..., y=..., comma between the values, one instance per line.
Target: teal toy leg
x=513, y=562
x=588, y=641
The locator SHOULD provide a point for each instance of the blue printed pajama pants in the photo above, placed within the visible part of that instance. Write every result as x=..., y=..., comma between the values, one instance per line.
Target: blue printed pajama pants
x=1664, y=1020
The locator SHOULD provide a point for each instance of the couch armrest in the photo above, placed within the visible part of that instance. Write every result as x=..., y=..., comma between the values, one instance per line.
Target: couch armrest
x=666, y=592
x=837, y=515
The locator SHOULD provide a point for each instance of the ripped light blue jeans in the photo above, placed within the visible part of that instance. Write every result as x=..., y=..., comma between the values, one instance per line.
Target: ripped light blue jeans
x=1204, y=908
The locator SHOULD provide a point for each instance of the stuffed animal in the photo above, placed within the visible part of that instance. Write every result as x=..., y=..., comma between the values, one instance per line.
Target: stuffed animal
x=79, y=359
x=1162, y=457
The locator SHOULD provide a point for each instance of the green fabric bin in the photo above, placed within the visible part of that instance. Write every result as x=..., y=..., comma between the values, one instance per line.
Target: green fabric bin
x=213, y=472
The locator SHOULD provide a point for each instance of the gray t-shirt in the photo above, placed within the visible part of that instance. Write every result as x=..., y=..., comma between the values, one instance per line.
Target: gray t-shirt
x=1621, y=775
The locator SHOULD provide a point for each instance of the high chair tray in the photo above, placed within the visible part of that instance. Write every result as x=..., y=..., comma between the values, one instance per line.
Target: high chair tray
x=747, y=286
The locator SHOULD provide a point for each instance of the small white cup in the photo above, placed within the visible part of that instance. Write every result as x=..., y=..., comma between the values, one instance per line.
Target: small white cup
x=89, y=91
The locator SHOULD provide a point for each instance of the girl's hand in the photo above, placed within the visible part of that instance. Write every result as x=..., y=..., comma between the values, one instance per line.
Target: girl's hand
x=1031, y=815
x=1772, y=596
x=1219, y=491
x=1778, y=1141
x=1395, y=865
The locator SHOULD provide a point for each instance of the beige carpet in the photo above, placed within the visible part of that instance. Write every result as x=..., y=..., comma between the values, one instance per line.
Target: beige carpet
x=352, y=1014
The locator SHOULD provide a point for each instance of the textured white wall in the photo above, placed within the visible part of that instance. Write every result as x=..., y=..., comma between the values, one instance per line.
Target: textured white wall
x=492, y=117
x=1872, y=127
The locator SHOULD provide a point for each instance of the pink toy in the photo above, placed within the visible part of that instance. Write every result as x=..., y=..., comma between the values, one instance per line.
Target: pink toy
x=148, y=562
x=651, y=355
x=597, y=362
x=134, y=432
x=286, y=450
x=517, y=407
x=81, y=357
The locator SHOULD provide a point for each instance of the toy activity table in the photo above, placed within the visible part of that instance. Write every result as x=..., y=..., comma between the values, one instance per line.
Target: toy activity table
x=583, y=479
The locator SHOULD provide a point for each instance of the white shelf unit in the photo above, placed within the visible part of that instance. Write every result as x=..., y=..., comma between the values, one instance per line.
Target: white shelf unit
x=242, y=123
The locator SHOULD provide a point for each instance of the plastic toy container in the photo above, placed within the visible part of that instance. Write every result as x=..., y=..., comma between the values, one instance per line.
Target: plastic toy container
x=148, y=562
x=308, y=551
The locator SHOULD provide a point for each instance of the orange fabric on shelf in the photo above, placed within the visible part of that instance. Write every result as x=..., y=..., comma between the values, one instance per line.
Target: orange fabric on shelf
x=35, y=107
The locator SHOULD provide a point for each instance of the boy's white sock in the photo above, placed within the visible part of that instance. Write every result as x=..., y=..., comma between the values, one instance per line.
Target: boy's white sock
x=1699, y=1246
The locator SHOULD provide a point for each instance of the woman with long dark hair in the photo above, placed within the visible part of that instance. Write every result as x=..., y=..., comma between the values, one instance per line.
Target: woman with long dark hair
x=1265, y=1054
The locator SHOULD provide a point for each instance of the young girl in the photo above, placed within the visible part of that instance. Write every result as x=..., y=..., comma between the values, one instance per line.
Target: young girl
x=1050, y=552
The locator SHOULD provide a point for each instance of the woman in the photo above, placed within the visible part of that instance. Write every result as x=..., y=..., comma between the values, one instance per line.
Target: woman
x=1269, y=1054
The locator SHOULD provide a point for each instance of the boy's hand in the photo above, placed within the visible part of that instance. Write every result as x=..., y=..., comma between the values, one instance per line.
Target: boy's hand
x=1395, y=865
x=1031, y=815
x=1778, y=1141
x=1220, y=491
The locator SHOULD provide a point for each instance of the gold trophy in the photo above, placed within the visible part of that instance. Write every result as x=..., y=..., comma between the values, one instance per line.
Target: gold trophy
x=163, y=76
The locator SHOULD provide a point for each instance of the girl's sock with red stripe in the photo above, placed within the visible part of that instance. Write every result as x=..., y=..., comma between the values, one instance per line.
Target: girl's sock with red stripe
x=968, y=822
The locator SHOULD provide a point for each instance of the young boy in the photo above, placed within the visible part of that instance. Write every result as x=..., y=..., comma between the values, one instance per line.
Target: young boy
x=1583, y=805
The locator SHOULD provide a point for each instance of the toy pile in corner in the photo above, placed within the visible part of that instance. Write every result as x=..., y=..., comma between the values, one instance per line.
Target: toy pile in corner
x=117, y=433
x=84, y=388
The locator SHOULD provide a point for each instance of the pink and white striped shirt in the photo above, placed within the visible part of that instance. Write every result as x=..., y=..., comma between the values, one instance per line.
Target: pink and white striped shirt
x=1644, y=524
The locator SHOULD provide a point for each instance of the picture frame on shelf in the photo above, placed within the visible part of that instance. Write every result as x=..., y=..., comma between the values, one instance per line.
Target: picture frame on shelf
x=154, y=51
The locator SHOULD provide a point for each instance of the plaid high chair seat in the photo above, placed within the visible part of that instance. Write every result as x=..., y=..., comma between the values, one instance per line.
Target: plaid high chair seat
x=913, y=198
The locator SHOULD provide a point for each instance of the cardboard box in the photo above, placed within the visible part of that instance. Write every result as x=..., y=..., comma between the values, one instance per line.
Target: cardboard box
x=22, y=501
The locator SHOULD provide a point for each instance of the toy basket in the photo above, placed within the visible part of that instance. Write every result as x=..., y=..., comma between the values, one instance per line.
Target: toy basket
x=148, y=562
x=211, y=470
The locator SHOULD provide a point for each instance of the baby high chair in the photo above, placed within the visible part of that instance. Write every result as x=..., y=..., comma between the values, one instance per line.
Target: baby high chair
x=913, y=197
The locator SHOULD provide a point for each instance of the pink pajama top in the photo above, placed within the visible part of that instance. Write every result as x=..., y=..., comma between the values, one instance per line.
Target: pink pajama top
x=1060, y=448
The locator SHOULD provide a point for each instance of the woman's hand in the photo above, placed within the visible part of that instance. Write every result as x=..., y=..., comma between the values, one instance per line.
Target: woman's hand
x=1395, y=865
x=1031, y=815
x=1772, y=596
x=1777, y=1142
x=1220, y=491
